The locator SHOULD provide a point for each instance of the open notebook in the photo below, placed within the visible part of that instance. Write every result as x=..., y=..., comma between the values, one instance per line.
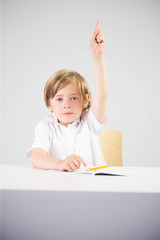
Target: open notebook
x=107, y=171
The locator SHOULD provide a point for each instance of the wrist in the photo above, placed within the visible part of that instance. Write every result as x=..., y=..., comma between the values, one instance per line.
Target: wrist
x=99, y=60
x=59, y=163
x=98, y=57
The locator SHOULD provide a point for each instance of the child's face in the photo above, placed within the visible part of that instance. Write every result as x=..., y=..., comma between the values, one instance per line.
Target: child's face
x=68, y=104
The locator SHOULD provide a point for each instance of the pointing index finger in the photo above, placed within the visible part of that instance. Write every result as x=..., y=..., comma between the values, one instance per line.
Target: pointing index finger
x=97, y=26
x=81, y=160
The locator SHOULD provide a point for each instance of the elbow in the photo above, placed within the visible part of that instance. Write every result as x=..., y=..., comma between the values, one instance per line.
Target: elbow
x=102, y=98
x=101, y=95
x=105, y=94
x=34, y=160
x=38, y=158
x=34, y=165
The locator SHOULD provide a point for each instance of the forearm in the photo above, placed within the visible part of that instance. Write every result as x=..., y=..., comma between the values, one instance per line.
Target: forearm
x=97, y=44
x=101, y=80
x=41, y=160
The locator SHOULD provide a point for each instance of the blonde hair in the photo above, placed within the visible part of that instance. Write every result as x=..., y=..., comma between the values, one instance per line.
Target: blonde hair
x=62, y=78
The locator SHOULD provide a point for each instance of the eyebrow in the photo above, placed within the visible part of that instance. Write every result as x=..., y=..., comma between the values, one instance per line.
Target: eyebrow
x=61, y=95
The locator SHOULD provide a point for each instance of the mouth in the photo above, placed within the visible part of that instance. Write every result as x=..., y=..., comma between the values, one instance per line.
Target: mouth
x=67, y=113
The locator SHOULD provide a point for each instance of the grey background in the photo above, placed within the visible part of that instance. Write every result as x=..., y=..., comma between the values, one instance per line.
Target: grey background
x=41, y=37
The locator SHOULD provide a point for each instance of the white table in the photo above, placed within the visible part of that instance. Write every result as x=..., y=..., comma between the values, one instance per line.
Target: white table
x=39, y=205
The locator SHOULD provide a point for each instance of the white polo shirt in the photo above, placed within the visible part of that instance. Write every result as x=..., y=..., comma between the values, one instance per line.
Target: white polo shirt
x=81, y=138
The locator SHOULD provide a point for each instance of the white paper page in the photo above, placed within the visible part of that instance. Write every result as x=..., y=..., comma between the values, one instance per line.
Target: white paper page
x=113, y=171
x=82, y=170
x=120, y=171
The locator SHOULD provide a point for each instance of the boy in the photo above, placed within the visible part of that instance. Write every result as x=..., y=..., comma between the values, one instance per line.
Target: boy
x=69, y=137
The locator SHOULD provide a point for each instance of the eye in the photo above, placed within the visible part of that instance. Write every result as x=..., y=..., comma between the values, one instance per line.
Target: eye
x=59, y=99
x=74, y=98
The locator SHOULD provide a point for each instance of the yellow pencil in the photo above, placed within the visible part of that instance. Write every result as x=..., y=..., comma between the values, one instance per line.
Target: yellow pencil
x=95, y=168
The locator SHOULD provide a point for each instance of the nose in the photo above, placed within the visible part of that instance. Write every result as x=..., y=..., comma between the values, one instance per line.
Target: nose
x=66, y=105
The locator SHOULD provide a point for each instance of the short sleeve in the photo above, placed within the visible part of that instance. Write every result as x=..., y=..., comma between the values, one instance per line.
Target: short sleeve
x=94, y=125
x=41, y=139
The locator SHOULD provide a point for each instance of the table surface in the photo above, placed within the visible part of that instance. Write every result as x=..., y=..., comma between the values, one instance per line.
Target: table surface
x=15, y=177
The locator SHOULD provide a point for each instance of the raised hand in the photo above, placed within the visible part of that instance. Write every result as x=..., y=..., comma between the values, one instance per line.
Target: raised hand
x=97, y=41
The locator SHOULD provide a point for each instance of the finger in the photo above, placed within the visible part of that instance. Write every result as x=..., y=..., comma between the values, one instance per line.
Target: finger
x=67, y=167
x=100, y=36
x=100, y=40
x=97, y=26
x=81, y=160
x=72, y=164
x=96, y=31
x=77, y=163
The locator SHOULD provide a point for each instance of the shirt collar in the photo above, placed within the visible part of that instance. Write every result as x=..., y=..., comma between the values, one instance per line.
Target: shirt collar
x=55, y=120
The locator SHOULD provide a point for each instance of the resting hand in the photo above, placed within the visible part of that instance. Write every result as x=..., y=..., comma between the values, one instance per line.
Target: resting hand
x=71, y=163
x=97, y=42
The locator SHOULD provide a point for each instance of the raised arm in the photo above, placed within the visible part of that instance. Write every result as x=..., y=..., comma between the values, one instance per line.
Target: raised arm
x=97, y=44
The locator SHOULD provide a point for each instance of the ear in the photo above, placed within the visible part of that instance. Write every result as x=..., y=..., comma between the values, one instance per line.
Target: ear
x=50, y=108
x=85, y=104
